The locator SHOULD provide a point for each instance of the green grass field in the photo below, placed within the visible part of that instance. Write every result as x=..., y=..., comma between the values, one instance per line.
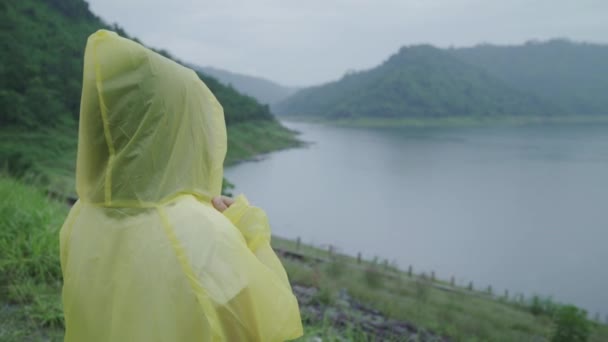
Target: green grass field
x=30, y=274
x=250, y=139
x=30, y=283
x=453, y=311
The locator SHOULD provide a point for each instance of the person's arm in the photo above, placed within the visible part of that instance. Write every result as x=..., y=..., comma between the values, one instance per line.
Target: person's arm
x=252, y=222
x=272, y=314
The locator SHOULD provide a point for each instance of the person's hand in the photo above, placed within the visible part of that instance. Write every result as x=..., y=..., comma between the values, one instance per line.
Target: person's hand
x=222, y=203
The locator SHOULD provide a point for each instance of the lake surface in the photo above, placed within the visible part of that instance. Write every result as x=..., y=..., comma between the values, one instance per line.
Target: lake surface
x=518, y=208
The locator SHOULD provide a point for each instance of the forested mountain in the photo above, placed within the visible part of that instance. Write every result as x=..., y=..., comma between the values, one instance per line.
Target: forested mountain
x=537, y=79
x=572, y=75
x=263, y=90
x=41, y=64
x=41, y=57
x=417, y=82
x=41, y=60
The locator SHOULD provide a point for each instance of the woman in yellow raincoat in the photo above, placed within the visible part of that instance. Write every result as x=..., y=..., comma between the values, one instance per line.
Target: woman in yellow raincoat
x=145, y=256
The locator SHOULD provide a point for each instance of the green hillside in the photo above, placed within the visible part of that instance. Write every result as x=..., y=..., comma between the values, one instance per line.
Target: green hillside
x=574, y=76
x=263, y=90
x=41, y=56
x=418, y=82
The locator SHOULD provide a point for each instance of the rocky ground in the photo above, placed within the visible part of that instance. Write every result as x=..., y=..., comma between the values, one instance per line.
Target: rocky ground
x=344, y=312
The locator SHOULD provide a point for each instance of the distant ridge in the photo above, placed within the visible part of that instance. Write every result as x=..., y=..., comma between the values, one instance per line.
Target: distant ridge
x=263, y=90
x=418, y=82
x=573, y=76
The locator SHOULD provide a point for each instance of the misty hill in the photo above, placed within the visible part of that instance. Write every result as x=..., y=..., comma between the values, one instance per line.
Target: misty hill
x=571, y=75
x=263, y=90
x=41, y=62
x=417, y=82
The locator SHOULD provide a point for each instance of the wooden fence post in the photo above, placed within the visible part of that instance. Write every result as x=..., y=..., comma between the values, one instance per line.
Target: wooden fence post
x=298, y=242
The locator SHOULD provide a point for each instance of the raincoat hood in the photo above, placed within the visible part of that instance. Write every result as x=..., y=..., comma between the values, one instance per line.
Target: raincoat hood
x=149, y=128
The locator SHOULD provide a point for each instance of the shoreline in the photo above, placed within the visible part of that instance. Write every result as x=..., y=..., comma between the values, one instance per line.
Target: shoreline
x=512, y=121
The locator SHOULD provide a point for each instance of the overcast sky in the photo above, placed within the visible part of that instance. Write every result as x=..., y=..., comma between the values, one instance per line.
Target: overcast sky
x=304, y=42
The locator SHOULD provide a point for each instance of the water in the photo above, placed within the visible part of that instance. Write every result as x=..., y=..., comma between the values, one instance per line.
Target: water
x=518, y=208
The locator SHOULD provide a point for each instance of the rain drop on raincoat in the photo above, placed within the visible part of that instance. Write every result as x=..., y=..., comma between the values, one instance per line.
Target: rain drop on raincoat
x=145, y=257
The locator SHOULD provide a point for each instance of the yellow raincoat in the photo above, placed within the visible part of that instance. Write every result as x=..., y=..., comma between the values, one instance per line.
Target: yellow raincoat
x=145, y=257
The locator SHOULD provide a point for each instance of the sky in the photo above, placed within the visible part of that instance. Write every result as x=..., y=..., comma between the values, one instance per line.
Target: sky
x=306, y=42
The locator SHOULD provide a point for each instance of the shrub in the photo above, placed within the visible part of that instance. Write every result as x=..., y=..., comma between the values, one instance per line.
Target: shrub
x=325, y=296
x=373, y=277
x=336, y=268
x=571, y=325
x=423, y=286
x=539, y=306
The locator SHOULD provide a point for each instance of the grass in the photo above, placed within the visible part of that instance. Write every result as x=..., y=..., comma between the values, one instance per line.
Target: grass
x=249, y=139
x=30, y=283
x=49, y=154
x=329, y=333
x=432, y=305
x=30, y=275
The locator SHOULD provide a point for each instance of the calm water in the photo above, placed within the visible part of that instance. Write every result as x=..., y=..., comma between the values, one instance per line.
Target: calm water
x=520, y=208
